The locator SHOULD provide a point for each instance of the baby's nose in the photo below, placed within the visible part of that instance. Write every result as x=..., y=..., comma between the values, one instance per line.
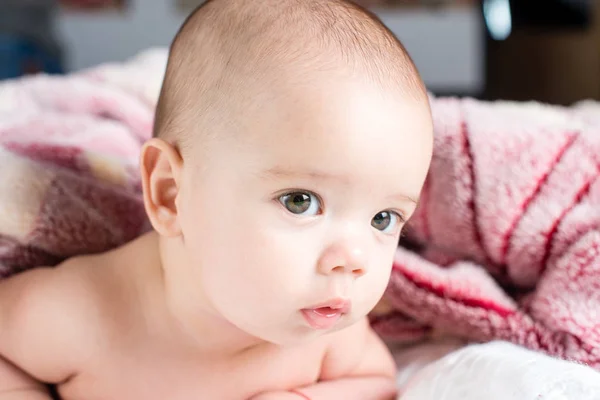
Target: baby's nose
x=347, y=258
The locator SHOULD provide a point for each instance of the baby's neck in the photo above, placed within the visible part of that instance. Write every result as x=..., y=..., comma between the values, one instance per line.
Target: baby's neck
x=191, y=311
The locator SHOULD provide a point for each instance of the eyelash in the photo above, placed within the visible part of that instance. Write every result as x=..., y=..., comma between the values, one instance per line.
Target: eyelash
x=400, y=215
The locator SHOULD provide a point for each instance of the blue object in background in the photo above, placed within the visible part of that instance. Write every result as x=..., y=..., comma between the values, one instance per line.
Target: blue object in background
x=20, y=56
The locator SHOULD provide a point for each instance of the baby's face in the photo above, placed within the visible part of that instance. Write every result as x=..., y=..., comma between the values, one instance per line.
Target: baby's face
x=290, y=228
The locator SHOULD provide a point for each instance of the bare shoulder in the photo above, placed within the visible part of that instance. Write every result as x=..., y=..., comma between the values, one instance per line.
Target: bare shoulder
x=51, y=320
x=357, y=351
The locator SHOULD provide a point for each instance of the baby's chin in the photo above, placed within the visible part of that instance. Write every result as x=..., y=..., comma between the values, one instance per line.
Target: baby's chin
x=299, y=332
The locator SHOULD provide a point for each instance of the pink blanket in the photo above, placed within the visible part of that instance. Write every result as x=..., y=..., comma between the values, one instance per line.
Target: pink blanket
x=506, y=239
x=504, y=243
x=69, y=149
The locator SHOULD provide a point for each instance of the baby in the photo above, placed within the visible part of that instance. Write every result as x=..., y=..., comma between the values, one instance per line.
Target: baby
x=292, y=141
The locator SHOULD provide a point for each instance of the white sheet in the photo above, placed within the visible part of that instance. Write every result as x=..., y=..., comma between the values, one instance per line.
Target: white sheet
x=447, y=370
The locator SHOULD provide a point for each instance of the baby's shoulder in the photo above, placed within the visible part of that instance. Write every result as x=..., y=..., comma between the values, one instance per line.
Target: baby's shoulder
x=94, y=292
x=51, y=319
x=66, y=294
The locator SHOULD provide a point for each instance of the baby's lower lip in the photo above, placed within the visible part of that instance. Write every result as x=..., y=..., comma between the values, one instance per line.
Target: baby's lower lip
x=322, y=317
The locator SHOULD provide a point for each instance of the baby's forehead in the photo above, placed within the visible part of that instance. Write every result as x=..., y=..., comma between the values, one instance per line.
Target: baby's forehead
x=356, y=124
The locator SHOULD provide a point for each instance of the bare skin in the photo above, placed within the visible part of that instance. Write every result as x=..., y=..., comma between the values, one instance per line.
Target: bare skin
x=125, y=344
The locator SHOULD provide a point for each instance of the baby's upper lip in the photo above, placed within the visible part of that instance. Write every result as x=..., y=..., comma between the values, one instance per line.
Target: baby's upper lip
x=337, y=303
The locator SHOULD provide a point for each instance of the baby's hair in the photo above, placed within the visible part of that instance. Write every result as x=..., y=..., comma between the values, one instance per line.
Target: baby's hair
x=228, y=51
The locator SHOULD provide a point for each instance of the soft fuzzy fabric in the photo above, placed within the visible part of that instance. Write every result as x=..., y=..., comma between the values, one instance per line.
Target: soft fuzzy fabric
x=507, y=231
x=69, y=147
x=507, y=226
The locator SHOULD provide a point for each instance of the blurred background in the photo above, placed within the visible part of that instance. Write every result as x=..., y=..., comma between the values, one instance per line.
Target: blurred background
x=545, y=50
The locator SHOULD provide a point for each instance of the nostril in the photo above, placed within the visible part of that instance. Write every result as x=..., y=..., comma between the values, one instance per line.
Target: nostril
x=338, y=269
x=356, y=272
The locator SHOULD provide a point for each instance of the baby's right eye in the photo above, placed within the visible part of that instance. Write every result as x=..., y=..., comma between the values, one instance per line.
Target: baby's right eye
x=301, y=203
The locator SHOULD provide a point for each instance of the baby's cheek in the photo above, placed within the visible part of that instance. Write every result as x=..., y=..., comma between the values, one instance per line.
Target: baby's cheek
x=374, y=287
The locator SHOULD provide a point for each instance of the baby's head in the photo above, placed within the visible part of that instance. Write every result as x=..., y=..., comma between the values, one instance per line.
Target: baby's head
x=292, y=141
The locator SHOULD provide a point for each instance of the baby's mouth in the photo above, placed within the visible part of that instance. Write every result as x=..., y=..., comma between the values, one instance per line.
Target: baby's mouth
x=327, y=312
x=326, y=315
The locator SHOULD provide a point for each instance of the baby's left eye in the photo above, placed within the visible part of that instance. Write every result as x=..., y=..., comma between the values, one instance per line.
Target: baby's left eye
x=387, y=221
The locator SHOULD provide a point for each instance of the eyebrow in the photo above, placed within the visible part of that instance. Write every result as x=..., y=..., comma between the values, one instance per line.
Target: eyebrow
x=279, y=173
x=403, y=197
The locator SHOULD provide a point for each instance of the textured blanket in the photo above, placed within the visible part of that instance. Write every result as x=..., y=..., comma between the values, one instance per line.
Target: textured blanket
x=506, y=241
x=504, y=244
x=69, y=150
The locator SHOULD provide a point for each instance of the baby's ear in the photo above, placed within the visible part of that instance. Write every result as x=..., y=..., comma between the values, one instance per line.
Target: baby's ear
x=160, y=165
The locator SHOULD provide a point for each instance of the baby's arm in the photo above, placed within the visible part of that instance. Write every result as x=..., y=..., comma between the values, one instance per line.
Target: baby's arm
x=35, y=334
x=358, y=366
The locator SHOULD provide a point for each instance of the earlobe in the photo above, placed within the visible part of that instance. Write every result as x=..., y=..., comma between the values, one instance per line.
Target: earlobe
x=160, y=166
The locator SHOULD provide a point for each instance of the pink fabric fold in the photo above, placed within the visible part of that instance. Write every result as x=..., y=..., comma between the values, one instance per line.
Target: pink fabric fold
x=69, y=148
x=508, y=232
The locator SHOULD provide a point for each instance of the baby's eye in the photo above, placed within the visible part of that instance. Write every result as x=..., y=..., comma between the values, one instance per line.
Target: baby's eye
x=387, y=221
x=301, y=203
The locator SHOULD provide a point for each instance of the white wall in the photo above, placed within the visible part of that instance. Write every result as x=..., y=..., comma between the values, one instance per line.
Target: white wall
x=92, y=38
x=446, y=46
